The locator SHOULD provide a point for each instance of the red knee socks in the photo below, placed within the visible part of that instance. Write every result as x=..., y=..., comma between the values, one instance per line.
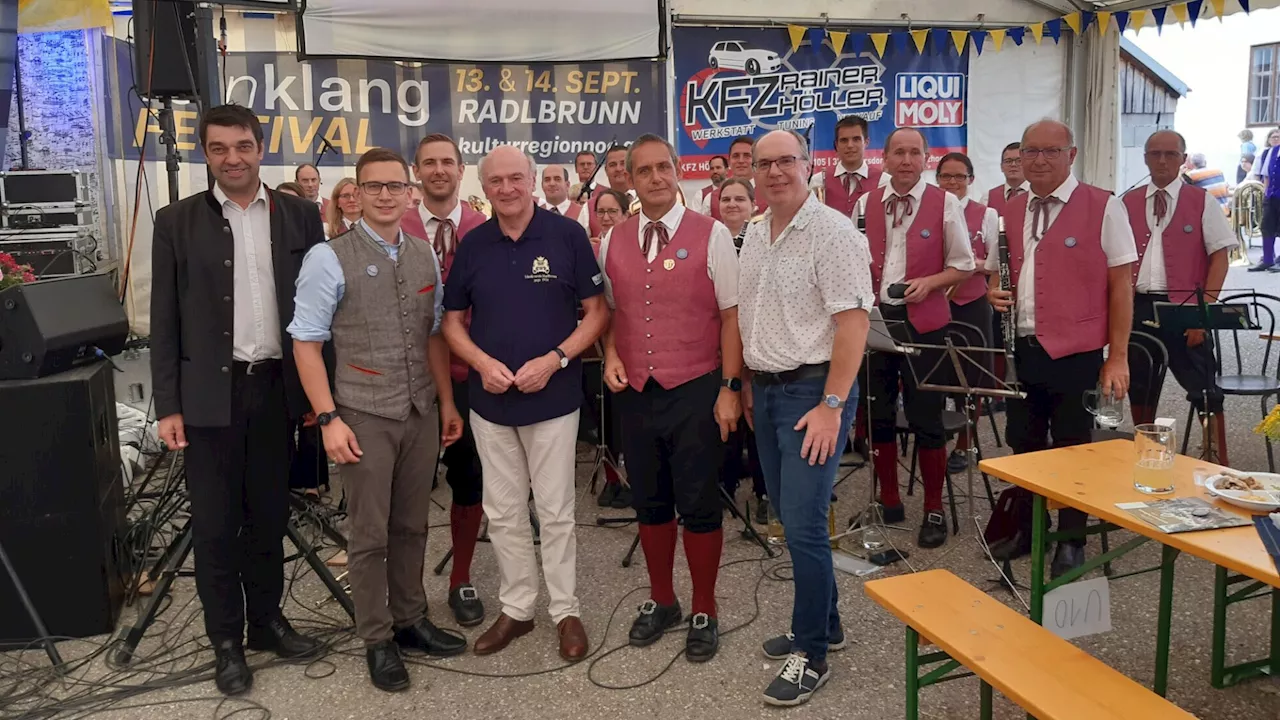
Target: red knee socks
x=464, y=526
x=703, y=552
x=659, y=544
x=886, y=464
x=933, y=468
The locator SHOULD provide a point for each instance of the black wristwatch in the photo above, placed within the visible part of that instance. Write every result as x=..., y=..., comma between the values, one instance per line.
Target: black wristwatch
x=325, y=418
x=733, y=384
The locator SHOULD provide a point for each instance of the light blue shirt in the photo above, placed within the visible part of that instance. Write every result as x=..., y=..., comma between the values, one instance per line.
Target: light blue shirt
x=321, y=285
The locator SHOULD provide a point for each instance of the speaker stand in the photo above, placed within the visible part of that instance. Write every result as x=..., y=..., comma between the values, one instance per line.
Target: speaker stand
x=42, y=632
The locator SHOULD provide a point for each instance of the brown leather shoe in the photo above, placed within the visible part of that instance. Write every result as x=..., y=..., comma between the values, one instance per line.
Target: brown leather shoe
x=573, y=639
x=501, y=633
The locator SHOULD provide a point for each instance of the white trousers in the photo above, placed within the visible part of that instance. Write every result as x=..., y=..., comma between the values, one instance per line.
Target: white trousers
x=513, y=458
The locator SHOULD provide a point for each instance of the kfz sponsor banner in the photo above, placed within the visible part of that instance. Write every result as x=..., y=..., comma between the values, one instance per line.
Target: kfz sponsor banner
x=550, y=111
x=743, y=81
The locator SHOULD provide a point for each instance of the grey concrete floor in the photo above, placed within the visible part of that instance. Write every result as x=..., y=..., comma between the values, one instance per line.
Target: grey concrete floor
x=868, y=677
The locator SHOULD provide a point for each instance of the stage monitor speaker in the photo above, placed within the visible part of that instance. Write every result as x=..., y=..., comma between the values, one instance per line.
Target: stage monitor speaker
x=164, y=49
x=61, y=503
x=50, y=325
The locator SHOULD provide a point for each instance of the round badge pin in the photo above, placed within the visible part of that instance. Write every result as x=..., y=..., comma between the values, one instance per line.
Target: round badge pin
x=372, y=270
x=925, y=233
x=1187, y=229
x=1070, y=242
x=682, y=253
x=668, y=264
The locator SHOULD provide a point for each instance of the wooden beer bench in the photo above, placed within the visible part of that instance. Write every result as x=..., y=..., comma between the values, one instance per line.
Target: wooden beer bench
x=1043, y=674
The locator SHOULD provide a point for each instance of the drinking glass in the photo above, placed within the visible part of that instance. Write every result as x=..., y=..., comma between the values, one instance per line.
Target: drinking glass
x=872, y=528
x=1153, y=471
x=776, y=534
x=1107, y=409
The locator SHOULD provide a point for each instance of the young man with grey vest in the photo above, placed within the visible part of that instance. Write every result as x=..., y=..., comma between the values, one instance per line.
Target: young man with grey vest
x=374, y=291
x=674, y=356
x=1074, y=242
x=1183, y=243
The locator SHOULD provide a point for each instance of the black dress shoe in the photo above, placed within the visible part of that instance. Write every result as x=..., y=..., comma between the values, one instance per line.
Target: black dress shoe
x=386, y=668
x=1066, y=558
x=653, y=620
x=231, y=673
x=933, y=531
x=607, y=495
x=957, y=462
x=466, y=606
x=1274, y=269
x=622, y=500
x=425, y=637
x=703, y=640
x=1260, y=267
x=280, y=638
x=893, y=514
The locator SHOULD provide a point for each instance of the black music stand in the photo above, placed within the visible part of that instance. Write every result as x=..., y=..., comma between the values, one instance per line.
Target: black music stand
x=1196, y=313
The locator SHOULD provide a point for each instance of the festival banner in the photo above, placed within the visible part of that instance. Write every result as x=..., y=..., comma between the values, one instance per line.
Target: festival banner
x=550, y=111
x=746, y=81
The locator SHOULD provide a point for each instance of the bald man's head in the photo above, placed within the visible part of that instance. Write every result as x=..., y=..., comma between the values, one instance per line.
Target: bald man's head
x=555, y=184
x=509, y=176
x=1048, y=151
x=1164, y=153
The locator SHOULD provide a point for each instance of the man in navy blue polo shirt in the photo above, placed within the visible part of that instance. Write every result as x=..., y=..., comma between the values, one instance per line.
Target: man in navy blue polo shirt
x=522, y=275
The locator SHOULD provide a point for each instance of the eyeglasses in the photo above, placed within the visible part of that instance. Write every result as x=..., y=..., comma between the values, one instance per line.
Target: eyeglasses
x=346, y=196
x=784, y=163
x=1011, y=162
x=1049, y=154
x=952, y=177
x=375, y=188
x=608, y=212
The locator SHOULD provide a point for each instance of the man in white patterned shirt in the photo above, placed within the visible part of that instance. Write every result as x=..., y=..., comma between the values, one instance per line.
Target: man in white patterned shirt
x=804, y=294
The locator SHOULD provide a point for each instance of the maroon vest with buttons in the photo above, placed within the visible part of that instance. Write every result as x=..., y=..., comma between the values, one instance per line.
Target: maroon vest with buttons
x=996, y=201
x=842, y=202
x=1070, y=271
x=926, y=253
x=666, y=322
x=1186, y=264
x=976, y=286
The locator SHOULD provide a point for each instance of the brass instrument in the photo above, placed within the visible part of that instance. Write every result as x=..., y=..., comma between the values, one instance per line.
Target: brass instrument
x=1008, y=323
x=480, y=205
x=1246, y=219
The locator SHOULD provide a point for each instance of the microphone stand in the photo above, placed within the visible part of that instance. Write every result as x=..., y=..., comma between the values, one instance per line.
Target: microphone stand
x=325, y=146
x=585, y=192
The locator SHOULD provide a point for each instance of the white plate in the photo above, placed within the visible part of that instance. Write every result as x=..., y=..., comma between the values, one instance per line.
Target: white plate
x=1255, y=503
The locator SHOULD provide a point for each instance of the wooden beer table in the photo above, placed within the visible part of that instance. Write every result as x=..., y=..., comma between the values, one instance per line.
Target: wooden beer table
x=1093, y=478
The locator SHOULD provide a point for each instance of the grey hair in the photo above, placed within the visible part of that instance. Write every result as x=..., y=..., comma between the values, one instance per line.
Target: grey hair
x=800, y=142
x=1182, y=141
x=651, y=138
x=1199, y=161
x=533, y=164
x=1071, y=136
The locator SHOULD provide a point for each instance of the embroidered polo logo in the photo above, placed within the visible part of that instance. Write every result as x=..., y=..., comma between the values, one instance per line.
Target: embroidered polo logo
x=541, y=266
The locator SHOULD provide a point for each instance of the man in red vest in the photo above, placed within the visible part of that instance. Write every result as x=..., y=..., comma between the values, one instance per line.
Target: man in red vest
x=919, y=248
x=555, y=191
x=584, y=163
x=718, y=169
x=1014, y=184
x=1183, y=241
x=853, y=176
x=1076, y=297
x=739, y=167
x=674, y=356
x=443, y=221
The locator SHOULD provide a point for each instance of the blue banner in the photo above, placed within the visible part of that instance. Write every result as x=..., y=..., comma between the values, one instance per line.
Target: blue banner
x=744, y=81
x=551, y=111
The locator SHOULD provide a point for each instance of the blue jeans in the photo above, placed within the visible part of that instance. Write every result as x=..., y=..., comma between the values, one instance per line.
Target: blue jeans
x=801, y=496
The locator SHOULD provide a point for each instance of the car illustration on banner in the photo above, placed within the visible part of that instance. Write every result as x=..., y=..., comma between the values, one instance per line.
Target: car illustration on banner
x=738, y=55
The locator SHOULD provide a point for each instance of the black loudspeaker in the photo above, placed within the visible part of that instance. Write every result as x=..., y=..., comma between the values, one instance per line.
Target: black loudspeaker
x=50, y=325
x=164, y=49
x=61, y=503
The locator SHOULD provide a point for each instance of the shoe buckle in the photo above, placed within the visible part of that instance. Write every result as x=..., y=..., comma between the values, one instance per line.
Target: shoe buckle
x=700, y=621
x=468, y=593
x=648, y=607
x=936, y=518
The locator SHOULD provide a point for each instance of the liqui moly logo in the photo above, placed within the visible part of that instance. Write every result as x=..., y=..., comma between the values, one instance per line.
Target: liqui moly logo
x=929, y=100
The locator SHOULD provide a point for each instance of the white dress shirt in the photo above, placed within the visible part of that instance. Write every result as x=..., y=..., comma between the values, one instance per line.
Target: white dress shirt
x=990, y=228
x=957, y=251
x=1262, y=165
x=256, y=325
x=1217, y=236
x=722, y=256
x=1008, y=189
x=1117, y=245
x=863, y=171
x=430, y=223
x=818, y=266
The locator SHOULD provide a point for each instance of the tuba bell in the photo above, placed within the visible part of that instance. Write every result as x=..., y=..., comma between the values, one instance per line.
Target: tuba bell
x=1246, y=219
x=480, y=205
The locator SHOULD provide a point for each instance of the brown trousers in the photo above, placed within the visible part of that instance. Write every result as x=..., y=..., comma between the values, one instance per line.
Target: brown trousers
x=388, y=498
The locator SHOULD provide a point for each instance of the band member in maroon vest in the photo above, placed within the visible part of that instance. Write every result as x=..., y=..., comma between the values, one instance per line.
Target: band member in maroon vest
x=555, y=192
x=719, y=170
x=584, y=163
x=853, y=176
x=615, y=168
x=1183, y=241
x=739, y=167
x=918, y=240
x=1070, y=248
x=443, y=221
x=969, y=299
x=674, y=356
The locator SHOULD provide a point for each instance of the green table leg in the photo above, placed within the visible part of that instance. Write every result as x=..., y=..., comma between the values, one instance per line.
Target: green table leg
x=985, y=699
x=1218, y=653
x=1165, y=619
x=913, y=674
x=1275, y=633
x=1037, y=558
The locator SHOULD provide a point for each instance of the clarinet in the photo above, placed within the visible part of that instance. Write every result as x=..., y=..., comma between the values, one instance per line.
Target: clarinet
x=1009, y=322
x=862, y=220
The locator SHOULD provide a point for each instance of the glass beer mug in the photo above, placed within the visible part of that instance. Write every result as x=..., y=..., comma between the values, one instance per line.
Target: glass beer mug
x=1106, y=409
x=1153, y=470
